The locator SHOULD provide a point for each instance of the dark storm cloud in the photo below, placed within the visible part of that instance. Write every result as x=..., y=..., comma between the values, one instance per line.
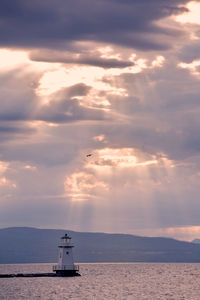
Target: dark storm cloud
x=65, y=107
x=20, y=103
x=68, y=110
x=18, y=99
x=55, y=23
x=190, y=52
x=14, y=131
x=16, y=128
x=49, y=153
x=163, y=114
x=82, y=59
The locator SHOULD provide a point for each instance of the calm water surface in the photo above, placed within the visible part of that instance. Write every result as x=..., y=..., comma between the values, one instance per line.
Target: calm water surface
x=105, y=281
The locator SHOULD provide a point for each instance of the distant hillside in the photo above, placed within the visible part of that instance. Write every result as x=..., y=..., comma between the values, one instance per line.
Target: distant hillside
x=196, y=241
x=31, y=245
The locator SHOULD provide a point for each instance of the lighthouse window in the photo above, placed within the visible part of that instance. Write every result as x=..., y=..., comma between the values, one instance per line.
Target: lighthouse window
x=67, y=252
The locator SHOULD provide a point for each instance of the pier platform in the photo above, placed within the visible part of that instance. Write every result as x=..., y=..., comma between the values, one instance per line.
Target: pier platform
x=38, y=275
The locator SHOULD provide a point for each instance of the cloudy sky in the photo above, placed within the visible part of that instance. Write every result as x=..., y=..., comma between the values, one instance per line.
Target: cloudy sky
x=118, y=79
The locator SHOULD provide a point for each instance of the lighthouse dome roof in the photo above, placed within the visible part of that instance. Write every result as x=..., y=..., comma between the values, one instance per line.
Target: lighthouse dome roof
x=66, y=236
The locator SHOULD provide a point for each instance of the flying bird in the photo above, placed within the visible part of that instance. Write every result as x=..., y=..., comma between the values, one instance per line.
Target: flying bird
x=88, y=155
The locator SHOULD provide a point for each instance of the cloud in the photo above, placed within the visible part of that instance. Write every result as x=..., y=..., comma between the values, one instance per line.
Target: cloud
x=64, y=107
x=18, y=98
x=190, y=52
x=20, y=102
x=128, y=23
x=107, y=78
x=82, y=186
x=82, y=59
x=161, y=110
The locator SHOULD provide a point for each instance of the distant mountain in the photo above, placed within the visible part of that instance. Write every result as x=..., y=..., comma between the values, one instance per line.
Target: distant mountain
x=196, y=241
x=31, y=245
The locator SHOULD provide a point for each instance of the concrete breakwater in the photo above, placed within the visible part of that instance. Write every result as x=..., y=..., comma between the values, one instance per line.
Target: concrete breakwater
x=37, y=275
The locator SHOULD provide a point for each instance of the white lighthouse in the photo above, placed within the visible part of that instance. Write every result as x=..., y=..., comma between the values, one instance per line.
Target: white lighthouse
x=66, y=266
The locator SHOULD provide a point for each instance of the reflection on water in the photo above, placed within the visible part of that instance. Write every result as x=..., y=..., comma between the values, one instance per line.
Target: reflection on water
x=132, y=281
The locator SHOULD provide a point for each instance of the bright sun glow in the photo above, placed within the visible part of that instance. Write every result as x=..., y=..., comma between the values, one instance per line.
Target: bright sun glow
x=184, y=232
x=3, y=167
x=99, y=138
x=108, y=52
x=120, y=158
x=82, y=186
x=29, y=167
x=12, y=59
x=55, y=76
x=192, y=16
x=193, y=67
x=5, y=182
x=188, y=233
x=64, y=77
x=158, y=62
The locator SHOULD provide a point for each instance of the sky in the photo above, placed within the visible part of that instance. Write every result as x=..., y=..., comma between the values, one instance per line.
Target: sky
x=118, y=79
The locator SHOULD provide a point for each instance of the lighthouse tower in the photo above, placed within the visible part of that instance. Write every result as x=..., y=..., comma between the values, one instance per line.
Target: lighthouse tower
x=65, y=266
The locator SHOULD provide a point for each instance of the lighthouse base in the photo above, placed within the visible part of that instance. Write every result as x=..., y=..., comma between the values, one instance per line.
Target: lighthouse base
x=67, y=273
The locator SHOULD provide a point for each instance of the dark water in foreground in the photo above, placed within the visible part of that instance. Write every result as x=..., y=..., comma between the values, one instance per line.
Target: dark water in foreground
x=134, y=281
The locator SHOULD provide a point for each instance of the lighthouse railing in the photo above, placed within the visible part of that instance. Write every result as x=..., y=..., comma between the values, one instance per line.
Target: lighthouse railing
x=64, y=243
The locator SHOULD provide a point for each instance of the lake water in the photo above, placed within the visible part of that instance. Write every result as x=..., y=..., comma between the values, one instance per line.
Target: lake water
x=114, y=281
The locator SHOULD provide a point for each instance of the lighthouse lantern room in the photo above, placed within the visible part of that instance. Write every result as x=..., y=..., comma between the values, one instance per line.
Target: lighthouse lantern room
x=66, y=266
